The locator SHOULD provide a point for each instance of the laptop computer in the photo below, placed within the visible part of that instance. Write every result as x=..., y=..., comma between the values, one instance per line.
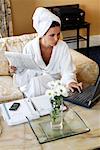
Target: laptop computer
x=88, y=97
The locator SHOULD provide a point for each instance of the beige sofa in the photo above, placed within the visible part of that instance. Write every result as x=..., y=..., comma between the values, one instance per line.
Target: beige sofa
x=87, y=69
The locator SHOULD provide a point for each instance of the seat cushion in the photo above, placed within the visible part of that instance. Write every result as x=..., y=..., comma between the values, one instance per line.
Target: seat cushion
x=8, y=91
x=3, y=60
x=87, y=70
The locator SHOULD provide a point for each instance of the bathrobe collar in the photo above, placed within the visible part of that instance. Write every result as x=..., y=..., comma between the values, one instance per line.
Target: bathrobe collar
x=38, y=58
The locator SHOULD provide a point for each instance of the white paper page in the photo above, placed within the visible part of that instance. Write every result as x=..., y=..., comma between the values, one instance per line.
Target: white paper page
x=42, y=103
x=18, y=116
x=19, y=60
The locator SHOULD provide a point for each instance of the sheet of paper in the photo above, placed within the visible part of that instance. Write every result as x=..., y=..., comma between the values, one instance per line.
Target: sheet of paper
x=42, y=103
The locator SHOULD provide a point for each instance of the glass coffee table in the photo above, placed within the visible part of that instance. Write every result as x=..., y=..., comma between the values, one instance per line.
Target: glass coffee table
x=72, y=125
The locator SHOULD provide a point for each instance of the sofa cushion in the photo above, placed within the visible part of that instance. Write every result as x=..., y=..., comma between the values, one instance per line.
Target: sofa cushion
x=87, y=70
x=8, y=91
x=2, y=44
x=17, y=43
x=3, y=64
x=3, y=60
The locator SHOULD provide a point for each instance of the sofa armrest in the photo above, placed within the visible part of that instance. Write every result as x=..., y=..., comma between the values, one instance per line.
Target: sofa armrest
x=87, y=70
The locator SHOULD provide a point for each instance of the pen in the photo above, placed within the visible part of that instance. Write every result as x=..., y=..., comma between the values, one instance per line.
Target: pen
x=33, y=105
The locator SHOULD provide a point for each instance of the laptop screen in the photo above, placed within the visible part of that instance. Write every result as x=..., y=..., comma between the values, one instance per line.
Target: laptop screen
x=97, y=88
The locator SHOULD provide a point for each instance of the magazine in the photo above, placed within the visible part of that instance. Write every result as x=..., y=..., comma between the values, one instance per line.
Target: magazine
x=21, y=61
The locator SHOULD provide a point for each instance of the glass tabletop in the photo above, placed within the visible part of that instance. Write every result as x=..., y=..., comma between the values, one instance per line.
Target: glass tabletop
x=0, y=128
x=72, y=125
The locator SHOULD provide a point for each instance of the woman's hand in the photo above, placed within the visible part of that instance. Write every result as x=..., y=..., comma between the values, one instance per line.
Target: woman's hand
x=75, y=86
x=12, y=69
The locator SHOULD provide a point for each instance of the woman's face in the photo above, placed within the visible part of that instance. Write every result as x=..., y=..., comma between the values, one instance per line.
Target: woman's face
x=52, y=36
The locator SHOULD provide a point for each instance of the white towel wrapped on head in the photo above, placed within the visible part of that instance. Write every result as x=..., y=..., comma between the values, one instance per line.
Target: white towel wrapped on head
x=42, y=20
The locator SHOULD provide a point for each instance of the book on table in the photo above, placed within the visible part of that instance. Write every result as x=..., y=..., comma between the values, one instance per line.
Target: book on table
x=32, y=108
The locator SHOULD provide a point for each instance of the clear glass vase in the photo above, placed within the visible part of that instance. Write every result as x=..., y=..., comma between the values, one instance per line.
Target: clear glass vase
x=56, y=115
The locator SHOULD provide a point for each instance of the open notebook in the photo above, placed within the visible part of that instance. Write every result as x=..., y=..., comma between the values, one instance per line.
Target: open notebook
x=31, y=108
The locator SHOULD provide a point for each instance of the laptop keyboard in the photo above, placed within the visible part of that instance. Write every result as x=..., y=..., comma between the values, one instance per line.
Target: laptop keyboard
x=82, y=98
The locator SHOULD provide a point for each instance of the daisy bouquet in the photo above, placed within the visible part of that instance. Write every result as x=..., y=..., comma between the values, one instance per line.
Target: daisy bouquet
x=56, y=92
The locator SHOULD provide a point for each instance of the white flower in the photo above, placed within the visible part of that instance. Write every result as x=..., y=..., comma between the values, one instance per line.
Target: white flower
x=57, y=82
x=56, y=89
x=51, y=84
x=54, y=84
x=63, y=90
x=50, y=93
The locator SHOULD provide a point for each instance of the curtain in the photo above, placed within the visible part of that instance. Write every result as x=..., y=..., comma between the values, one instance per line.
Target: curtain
x=6, y=28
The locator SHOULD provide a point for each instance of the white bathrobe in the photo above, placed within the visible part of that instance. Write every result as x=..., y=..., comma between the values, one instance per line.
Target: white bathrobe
x=34, y=82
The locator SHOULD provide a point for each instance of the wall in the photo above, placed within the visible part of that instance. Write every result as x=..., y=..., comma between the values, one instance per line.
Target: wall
x=22, y=11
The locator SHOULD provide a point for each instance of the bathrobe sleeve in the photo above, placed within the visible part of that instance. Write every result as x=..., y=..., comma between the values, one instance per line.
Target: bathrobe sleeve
x=68, y=69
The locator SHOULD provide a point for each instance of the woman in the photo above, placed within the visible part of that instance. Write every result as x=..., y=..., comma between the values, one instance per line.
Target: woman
x=51, y=55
